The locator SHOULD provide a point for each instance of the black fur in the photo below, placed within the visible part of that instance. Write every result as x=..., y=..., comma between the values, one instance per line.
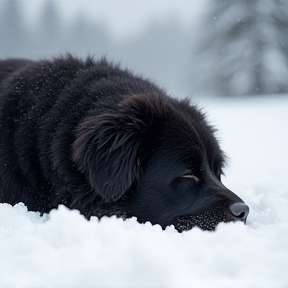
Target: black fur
x=98, y=139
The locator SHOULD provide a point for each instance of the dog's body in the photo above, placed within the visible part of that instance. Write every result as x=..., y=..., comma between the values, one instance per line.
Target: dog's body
x=98, y=139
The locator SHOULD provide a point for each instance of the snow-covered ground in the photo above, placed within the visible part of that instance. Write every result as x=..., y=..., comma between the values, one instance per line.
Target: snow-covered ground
x=62, y=249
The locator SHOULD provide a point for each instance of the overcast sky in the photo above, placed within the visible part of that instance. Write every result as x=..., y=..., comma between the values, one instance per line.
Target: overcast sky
x=123, y=18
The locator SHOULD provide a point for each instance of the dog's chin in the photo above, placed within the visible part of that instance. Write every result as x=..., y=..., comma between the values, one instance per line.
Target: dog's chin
x=206, y=220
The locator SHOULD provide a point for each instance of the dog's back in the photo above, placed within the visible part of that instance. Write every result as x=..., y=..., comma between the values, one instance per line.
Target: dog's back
x=41, y=104
x=28, y=92
x=11, y=67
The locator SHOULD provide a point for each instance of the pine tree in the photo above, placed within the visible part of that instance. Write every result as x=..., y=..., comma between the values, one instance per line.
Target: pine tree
x=246, y=47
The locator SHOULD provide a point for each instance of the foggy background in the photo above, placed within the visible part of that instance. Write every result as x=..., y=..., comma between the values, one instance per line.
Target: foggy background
x=189, y=47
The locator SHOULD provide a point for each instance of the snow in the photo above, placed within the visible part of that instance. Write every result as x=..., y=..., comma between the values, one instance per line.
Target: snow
x=62, y=249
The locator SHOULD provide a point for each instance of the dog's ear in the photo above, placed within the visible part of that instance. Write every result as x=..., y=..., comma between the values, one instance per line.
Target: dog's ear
x=107, y=149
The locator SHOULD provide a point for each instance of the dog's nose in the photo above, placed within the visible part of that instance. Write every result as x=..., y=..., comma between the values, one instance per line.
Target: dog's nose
x=240, y=211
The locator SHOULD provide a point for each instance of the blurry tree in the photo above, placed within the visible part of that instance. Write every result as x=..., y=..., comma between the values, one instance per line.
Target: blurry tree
x=50, y=21
x=87, y=38
x=162, y=52
x=50, y=30
x=12, y=31
x=245, y=50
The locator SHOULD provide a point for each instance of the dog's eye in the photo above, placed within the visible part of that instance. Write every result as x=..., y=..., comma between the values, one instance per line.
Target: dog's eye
x=191, y=176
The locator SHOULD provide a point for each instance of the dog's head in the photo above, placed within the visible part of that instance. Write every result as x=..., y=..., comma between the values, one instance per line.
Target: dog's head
x=156, y=158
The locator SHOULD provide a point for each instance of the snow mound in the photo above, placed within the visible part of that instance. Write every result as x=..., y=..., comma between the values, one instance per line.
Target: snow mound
x=63, y=249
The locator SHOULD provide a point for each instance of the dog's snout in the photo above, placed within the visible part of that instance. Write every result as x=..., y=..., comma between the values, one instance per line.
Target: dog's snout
x=240, y=211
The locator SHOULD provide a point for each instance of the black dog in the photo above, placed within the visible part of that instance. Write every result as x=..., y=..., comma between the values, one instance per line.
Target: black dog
x=98, y=139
